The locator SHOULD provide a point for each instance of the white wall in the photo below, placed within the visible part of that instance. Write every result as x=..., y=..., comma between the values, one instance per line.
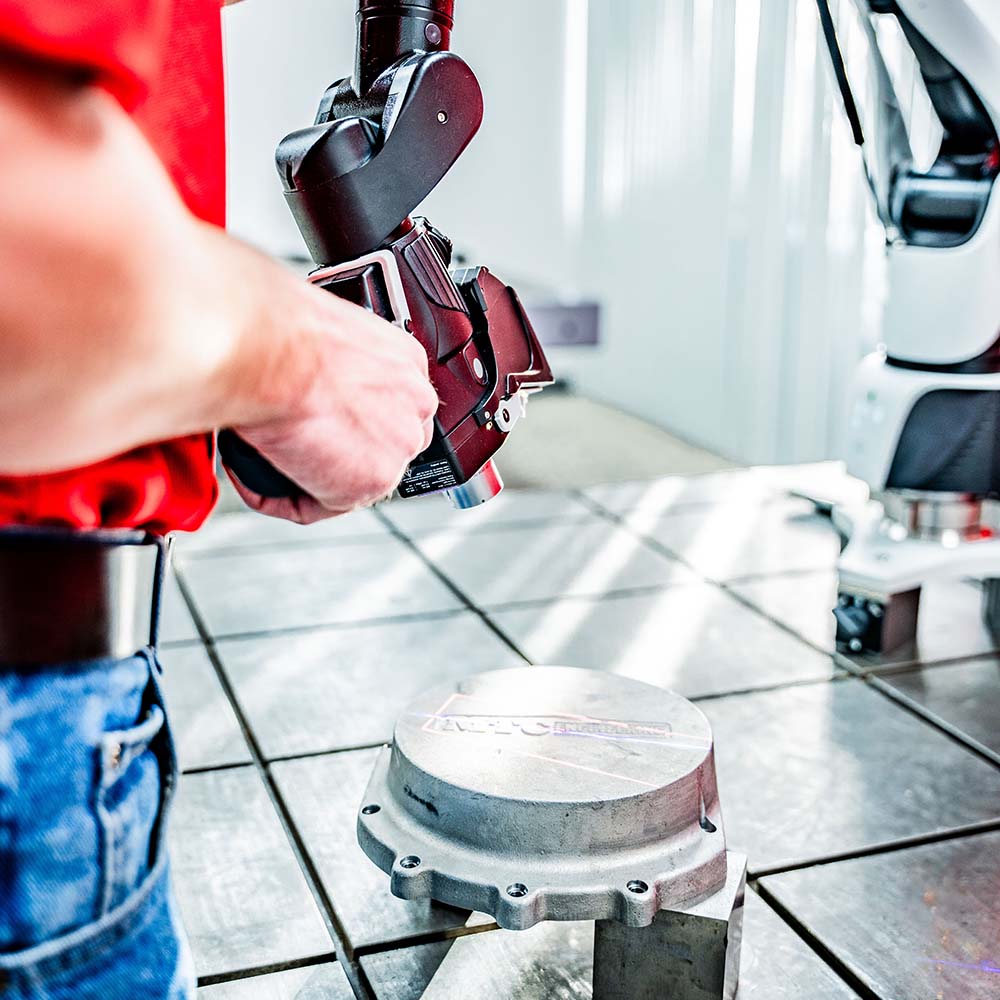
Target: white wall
x=685, y=161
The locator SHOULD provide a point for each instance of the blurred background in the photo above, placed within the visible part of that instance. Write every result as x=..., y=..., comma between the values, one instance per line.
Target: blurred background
x=685, y=167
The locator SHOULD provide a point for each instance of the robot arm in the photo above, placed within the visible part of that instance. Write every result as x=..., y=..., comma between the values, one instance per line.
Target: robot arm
x=925, y=409
x=382, y=140
x=924, y=428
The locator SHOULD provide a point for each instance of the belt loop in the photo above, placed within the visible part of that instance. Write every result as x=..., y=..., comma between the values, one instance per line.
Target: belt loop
x=163, y=544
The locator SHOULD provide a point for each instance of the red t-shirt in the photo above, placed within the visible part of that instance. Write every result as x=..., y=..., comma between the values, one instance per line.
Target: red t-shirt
x=162, y=59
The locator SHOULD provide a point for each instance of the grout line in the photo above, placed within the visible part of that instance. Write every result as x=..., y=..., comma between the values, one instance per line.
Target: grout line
x=892, y=669
x=640, y=590
x=186, y=553
x=293, y=630
x=330, y=752
x=776, y=686
x=925, y=715
x=428, y=937
x=453, y=587
x=513, y=525
x=676, y=507
x=264, y=970
x=901, y=844
x=823, y=952
x=294, y=838
x=211, y=768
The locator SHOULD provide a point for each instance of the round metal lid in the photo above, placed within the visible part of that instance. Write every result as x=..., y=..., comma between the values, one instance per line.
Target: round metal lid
x=548, y=793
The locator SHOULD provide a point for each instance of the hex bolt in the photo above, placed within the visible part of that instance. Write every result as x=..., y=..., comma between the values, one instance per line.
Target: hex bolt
x=855, y=646
x=875, y=610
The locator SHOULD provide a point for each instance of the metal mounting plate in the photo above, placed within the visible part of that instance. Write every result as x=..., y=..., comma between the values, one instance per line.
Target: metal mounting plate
x=548, y=793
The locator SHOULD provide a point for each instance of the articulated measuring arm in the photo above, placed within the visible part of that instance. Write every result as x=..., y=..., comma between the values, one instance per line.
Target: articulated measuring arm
x=382, y=141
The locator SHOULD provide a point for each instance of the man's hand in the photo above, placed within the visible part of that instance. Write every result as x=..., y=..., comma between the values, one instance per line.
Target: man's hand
x=368, y=411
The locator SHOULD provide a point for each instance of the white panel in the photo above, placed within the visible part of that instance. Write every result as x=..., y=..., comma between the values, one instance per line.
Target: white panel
x=280, y=57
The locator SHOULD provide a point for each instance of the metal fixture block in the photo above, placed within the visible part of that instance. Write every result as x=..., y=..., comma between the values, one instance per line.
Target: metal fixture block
x=687, y=954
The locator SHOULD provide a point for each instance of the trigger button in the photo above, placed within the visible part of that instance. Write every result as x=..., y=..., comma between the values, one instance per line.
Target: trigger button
x=475, y=290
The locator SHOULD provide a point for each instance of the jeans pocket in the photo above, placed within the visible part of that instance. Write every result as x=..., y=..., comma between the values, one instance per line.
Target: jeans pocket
x=136, y=778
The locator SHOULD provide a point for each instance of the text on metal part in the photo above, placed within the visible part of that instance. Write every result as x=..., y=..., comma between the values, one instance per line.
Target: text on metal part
x=543, y=725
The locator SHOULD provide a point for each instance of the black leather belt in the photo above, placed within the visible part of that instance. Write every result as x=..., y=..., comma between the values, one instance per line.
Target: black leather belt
x=78, y=595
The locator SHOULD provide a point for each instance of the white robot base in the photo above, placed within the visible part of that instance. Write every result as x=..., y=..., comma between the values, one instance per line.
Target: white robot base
x=899, y=542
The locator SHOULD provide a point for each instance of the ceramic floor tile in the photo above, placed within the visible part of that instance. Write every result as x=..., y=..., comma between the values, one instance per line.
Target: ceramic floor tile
x=540, y=562
x=729, y=541
x=511, y=507
x=965, y=695
x=338, y=688
x=176, y=623
x=949, y=625
x=270, y=589
x=555, y=961
x=823, y=480
x=205, y=728
x=323, y=795
x=813, y=771
x=244, y=900
x=692, y=638
x=920, y=923
x=316, y=982
x=247, y=530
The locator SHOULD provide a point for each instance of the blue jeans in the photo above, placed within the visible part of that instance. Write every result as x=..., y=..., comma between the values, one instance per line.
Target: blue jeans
x=87, y=770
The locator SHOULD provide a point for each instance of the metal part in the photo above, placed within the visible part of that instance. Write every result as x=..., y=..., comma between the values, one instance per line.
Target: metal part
x=898, y=543
x=385, y=260
x=991, y=604
x=510, y=410
x=876, y=624
x=940, y=516
x=553, y=793
x=482, y=487
x=101, y=588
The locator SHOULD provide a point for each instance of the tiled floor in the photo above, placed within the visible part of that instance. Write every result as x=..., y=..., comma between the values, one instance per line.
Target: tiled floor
x=866, y=793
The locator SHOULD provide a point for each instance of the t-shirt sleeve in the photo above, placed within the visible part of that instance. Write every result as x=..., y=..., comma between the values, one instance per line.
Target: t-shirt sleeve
x=114, y=41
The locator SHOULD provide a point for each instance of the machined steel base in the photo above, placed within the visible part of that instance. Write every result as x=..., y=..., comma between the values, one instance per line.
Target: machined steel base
x=689, y=954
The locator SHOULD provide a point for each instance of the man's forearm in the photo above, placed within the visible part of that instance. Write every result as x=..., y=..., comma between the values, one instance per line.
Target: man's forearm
x=123, y=320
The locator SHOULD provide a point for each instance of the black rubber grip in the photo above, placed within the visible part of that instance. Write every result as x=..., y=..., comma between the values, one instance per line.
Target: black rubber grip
x=253, y=470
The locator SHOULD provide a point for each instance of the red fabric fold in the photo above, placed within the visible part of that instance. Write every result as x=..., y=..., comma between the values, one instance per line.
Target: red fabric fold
x=163, y=61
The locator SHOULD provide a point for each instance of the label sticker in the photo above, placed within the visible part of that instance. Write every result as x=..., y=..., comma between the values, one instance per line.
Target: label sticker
x=428, y=478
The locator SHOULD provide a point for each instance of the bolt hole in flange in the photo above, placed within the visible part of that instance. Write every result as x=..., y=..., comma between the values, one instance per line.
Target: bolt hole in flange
x=517, y=890
x=409, y=862
x=370, y=810
x=637, y=886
